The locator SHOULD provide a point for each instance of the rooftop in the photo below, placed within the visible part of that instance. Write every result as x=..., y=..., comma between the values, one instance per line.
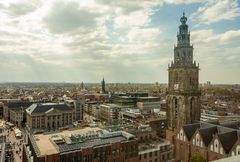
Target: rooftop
x=69, y=140
x=153, y=145
x=44, y=107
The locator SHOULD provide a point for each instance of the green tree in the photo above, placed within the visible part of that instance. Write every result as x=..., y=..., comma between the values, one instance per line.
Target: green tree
x=197, y=158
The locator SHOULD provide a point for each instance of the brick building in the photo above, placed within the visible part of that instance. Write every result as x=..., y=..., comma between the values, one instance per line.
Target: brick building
x=210, y=141
x=151, y=148
x=88, y=145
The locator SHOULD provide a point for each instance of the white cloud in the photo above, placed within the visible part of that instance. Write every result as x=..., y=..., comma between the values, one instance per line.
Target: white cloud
x=208, y=36
x=69, y=17
x=136, y=35
x=134, y=19
x=79, y=39
x=216, y=10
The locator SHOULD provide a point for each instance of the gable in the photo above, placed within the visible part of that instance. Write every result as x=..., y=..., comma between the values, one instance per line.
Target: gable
x=216, y=146
x=197, y=139
x=181, y=135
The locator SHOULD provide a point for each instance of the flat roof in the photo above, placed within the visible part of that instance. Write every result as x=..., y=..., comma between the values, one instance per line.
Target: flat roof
x=71, y=140
x=47, y=147
x=153, y=145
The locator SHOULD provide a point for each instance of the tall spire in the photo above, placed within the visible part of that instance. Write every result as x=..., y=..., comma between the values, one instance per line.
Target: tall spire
x=183, y=35
x=183, y=51
x=103, y=86
x=183, y=19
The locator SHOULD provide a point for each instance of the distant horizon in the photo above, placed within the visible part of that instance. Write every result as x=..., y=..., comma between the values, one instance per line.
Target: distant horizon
x=63, y=82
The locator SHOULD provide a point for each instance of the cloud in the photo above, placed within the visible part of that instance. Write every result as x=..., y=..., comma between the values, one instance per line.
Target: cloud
x=217, y=10
x=85, y=40
x=20, y=8
x=143, y=35
x=134, y=19
x=69, y=17
x=208, y=36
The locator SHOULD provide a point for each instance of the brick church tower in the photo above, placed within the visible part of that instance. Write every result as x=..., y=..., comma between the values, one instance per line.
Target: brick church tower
x=183, y=95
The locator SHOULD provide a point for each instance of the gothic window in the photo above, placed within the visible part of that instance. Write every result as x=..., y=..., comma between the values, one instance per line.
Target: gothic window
x=197, y=140
x=191, y=108
x=216, y=144
x=176, y=108
x=176, y=77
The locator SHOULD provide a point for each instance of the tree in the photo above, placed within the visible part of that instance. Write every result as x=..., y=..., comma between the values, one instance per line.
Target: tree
x=197, y=158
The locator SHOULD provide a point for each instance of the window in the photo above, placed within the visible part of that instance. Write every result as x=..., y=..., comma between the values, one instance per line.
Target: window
x=221, y=150
x=163, y=157
x=216, y=144
x=145, y=156
x=211, y=148
x=150, y=154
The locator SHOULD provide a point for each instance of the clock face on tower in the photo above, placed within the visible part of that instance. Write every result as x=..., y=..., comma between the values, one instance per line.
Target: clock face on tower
x=175, y=86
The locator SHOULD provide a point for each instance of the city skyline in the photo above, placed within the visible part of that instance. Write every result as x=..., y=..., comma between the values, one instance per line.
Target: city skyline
x=75, y=41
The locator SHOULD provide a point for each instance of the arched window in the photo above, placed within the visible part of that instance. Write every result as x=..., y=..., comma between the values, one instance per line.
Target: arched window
x=176, y=107
x=191, y=109
x=216, y=145
x=197, y=140
x=176, y=77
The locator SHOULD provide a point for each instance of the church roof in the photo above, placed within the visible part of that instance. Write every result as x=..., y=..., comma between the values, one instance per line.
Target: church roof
x=207, y=134
x=190, y=129
x=228, y=140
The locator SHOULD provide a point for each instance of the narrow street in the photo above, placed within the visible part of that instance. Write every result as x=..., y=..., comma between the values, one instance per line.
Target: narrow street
x=15, y=143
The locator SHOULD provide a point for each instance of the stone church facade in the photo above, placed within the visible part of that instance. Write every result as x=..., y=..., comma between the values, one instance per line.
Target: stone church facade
x=183, y=95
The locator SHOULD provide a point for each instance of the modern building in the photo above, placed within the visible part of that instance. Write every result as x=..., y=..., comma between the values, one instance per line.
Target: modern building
x=77, y=106
x=86, y=145
x=130, y=115
x=148, y=107
x=110, y=111
x=183, y=95
x=217, y=116
x=48, y=116
x=90, y=106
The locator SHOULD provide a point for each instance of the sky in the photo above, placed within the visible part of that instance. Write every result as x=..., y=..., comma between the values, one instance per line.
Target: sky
x=120, y=40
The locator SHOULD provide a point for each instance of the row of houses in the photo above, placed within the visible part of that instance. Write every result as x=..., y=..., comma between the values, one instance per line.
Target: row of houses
x=210, y=141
